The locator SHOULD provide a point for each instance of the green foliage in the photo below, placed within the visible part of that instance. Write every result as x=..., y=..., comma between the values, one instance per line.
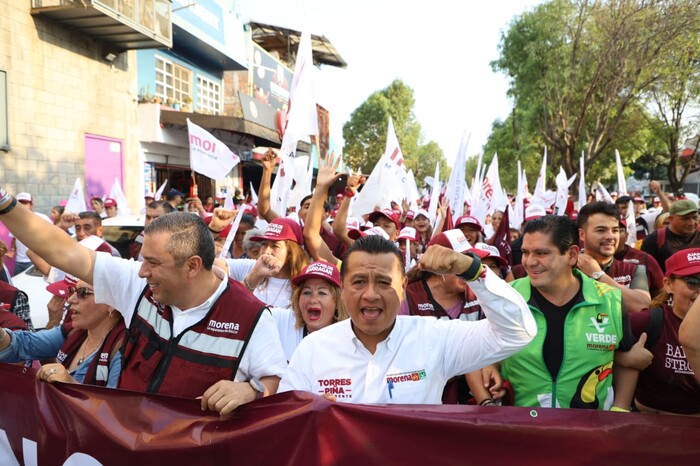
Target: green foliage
x=365, y=133
x=581, y=76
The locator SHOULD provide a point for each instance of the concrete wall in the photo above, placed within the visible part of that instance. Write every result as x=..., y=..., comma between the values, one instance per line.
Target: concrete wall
x=59, y=89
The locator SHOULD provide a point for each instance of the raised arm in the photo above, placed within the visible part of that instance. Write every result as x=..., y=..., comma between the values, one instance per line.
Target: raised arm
x=48, y=241
x=689, y=336
x=655, y=187
x=340, y=229
x=315, y=245
x=264, y=209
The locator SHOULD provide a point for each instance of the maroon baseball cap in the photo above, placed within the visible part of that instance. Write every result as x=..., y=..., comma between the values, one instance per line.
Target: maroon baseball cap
x=388, y=213
x=410, y=215
x=468, y=220
x=684, y=263
x=60, y=288
x=322, y=270
x=455, y=240
x=109, y=202
x=281, y=229
x=491, y=251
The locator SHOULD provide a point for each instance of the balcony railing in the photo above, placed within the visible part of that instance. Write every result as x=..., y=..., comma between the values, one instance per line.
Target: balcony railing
x=122, y=24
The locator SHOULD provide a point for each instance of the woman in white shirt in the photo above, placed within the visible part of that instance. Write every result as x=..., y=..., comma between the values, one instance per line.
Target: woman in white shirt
x=316, y=304
x=281, y=258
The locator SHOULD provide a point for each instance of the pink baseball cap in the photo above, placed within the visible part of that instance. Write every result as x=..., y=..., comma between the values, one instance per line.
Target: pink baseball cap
x=60, y=288
x=322, y=270
x=352, y=224
x=388, y=213
x=684, y=263
x=281, y=229
x=24, y=197
x=408, y=233
x=469, y=220
x=534, y=211
x=410, y=215
x=492, y=252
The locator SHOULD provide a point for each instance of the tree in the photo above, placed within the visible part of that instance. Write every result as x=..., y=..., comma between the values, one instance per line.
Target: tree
x=423, y=161
x=580, y=69
x=365, y=132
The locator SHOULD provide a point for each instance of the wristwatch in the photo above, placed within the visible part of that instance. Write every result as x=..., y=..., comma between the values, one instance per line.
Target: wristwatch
x=597, y=275
x=258, y=387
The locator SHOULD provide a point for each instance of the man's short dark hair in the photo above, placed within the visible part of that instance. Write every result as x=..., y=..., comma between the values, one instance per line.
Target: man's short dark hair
x=248, y=220
x=598, y=207
x=563, y=230
x=189, y=236
x=98, y=199
x=372, y=244
x=91, y=215
x=167, y=207
x=623, y=200
x=326, y=204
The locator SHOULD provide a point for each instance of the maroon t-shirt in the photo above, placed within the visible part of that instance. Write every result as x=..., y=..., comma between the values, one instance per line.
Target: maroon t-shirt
x=668, y=384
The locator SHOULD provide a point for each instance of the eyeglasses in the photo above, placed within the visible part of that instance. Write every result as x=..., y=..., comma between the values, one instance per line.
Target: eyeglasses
x=692, y=282
x=81, y=292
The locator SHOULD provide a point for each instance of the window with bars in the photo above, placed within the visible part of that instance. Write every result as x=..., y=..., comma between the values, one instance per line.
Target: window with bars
x=172, y=80
x=208, y=96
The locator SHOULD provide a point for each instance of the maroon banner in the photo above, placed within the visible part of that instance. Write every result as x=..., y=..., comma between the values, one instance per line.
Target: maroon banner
x=45, y=425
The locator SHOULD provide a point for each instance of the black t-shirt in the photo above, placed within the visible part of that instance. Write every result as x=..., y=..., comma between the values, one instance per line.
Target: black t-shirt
x=553, y=348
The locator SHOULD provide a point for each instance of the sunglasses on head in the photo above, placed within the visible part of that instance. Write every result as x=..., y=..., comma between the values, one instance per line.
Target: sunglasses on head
x=82, y=292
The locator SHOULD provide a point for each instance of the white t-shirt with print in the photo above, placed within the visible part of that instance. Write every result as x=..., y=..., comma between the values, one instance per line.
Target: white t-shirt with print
x=275, y=292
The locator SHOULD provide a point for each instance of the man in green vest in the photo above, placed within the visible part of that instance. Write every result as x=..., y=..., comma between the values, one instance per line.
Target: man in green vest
x=580, y=327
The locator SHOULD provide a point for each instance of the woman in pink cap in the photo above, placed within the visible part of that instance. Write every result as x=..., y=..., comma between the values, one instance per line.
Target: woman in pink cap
x=281, y=258
x=668, y=384
x=315, y=304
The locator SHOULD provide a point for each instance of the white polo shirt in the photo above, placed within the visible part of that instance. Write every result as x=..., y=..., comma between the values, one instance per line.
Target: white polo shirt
x=418, y=357
x=117, y=283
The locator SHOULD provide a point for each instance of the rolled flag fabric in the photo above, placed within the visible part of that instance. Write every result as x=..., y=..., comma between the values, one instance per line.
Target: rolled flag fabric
x=621, y=183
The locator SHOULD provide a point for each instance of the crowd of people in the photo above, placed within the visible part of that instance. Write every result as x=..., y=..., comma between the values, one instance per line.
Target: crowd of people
x=391, y=306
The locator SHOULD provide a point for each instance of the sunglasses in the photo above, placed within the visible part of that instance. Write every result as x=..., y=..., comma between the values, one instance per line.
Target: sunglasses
x=81, y=292
x=692, y=282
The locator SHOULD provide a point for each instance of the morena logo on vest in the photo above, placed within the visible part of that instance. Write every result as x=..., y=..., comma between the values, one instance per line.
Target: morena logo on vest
x=225, y=327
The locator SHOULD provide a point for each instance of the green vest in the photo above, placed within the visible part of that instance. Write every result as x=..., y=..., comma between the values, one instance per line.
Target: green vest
x=592, y=332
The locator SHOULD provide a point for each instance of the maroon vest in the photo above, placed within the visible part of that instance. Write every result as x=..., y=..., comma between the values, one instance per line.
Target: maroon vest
x=186, y=365
x=421, y=303
x=98, y=370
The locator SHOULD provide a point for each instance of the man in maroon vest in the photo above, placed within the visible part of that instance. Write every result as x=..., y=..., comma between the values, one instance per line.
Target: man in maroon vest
x=599, y=231
x=193, y=332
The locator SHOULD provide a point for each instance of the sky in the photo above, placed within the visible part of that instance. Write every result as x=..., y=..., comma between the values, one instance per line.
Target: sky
x=439, y=48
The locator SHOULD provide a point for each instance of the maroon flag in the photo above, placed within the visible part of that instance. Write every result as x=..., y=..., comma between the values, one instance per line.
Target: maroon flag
x=45, y=424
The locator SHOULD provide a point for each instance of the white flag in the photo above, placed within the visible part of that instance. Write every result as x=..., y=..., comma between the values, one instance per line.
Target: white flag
x=621, y=183
x=253, y=195
x=303, y=166
x=117, y=194
x=434, y=196
x=582, y=197
x=232, y=233
x=563, y=185
x=208, y=155
x=302, y=121
x=476, y=182
x=631, y=226
x=228, y=200
x=159, y=194
x=491, y=195
x=76, y=200
x=388, y=181
x=604, y=193
x=455, y=185
x=518, y=216
x=541, y=185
